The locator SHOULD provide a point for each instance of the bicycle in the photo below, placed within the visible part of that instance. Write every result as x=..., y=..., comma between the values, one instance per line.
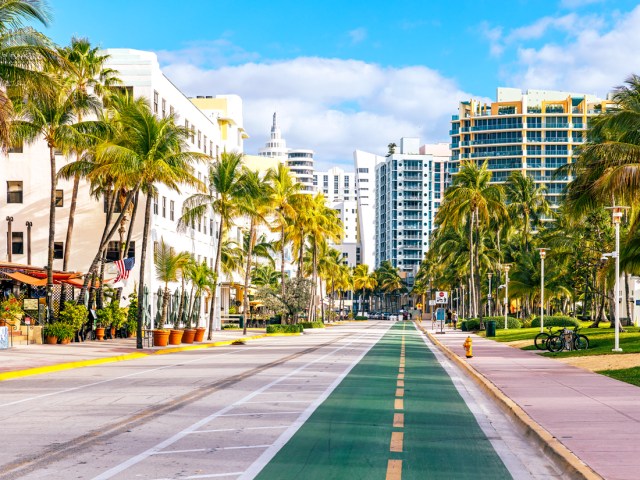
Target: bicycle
x=541, y=339
x=568, y=340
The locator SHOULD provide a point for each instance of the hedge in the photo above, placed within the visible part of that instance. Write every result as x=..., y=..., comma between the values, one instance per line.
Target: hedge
x=559, y=321
x=360, y=317
x=311, y=324
x=474, y=323
x=285, y=328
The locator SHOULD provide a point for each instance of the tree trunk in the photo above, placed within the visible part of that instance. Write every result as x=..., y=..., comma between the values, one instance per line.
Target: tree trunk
x=70, y=224
x=246, y=307
x=143, y=261
x=628, y=300
x=471, y=265
x=282, y=274
x=216, y=269
x=165, y=306
x=52, y=231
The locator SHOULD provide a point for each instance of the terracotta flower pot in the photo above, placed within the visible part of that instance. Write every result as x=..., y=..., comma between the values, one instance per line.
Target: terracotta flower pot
x=65, y=341
x=199, y=334
x=189, y=335
x=100, y=333
x=175, y=337
x=50, y=340
x=160, y=338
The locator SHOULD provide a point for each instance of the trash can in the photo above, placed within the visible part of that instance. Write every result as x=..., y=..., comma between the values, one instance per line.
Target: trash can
x=491, y=328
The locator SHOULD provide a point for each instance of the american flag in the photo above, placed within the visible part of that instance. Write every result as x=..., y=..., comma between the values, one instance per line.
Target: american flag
x=124, y=267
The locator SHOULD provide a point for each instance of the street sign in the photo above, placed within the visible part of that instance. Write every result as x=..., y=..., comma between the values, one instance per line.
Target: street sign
x=442, y=298
x=432, y=303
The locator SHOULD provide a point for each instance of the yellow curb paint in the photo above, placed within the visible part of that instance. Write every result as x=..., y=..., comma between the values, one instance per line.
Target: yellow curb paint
x=400, y=376
x=396, y=441
x=398, y=404
x=399, y=392
x=398, y=420
x=394, y=470
x=283, y=334
x=400, y=383
x=221, y=343
x=69, y=366
x=401, y=369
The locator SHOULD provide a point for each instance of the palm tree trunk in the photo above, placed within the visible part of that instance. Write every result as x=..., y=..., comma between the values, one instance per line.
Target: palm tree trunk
x=165, y=305
x=471, y=264
x=626, y=296
x=321, y=301
x=70, y=224
x=216, y=269
x=282, y=275
x=247, y=276
x=52, y=230
x=143, y=259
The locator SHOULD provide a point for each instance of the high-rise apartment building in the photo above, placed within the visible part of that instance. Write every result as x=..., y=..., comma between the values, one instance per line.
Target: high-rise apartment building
x=535, y=132
x=365, y=170
x=335, y=184
x=409, y=188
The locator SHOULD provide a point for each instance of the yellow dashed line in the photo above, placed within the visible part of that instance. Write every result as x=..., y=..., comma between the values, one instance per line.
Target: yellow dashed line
x=399, y=404
x=398, y=420
x=400, y=376
x=394, y=470
x=396, y=441
x=399, y=392
x=401, y=370
x=400, y=383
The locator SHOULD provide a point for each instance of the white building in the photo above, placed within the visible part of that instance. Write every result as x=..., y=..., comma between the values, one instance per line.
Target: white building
x=25, y=183
x=365, y=172
x=409, y=189
x=336, y=184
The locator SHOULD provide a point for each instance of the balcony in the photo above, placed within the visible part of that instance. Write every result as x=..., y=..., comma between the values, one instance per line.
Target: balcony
x=481, y=128
x=510, y=153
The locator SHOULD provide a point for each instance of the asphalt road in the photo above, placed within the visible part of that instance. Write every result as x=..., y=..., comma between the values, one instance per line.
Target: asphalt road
x=227, y=412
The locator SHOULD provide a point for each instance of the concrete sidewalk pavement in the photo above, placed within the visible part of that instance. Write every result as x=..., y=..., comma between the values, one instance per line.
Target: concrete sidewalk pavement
x=571, y=411
x=34, y=359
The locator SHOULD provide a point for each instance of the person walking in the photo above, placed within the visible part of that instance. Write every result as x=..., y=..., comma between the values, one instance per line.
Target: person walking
x=454, y=319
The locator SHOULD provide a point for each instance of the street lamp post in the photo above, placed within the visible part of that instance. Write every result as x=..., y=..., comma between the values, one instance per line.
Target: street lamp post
x=506, y=294
x=29, y=225
x=617, y=217
x=543, y=253
x=9, y=240
x=489, y=295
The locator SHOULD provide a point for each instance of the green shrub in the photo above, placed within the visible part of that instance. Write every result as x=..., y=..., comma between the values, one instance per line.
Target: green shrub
x=73, y=315
x=472, y=324
x=512, y=322
x=311, y=324
x=361, y=317
x=230, y=326
x=556, y=321
x=284, y=328
x=58, y=329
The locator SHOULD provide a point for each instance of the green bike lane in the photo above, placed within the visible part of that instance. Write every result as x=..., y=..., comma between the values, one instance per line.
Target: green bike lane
x=396, y=415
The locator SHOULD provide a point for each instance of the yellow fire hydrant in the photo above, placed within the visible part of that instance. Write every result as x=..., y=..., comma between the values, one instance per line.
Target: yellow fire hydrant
x=467, y=347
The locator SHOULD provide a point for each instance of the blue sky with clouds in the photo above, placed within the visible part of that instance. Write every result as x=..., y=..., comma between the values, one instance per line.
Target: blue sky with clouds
x=346, y=75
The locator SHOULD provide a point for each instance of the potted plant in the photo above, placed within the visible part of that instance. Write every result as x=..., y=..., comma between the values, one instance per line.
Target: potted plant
x=73, y=315
x=132, y=315
x=118, y=317
x=104, y=318
x=58, y=331
x=50, y=334
x=10, y=312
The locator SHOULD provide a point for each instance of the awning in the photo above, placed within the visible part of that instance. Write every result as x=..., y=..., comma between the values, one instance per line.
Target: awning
x=21, y=277
x=78, y=282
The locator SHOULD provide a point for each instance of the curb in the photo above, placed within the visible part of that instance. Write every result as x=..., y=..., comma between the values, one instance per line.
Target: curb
x=572, y=467
x=119, y=358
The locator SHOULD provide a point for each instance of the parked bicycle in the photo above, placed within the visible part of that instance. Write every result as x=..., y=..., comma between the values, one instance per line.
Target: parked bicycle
x=541, y=339
x=567, y=340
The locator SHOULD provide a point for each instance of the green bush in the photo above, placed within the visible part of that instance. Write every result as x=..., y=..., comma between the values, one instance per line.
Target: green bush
x=311, y=324
x=556, y=321
x=58, y=329
x=231, y=326
x=73, y=315
x=361, y=317
x=285, y=328
x=512, y=322
x=471, y=325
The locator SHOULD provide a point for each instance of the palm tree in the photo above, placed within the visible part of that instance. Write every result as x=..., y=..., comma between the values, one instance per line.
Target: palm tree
x=363, y=280
x=169, y=266
x=473, y=198
x=201, y=277
x=526, y=203
x=50, y=114
x=265, y=275
x=84, y=73
x=23, y=54
x=284, y=190
x=226, y=189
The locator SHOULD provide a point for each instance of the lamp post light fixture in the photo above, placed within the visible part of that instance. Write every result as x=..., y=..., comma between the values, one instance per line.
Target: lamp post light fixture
x=9, y=240
x=29, y=225
x=489, y=295
x=616, y=216
x=543, y=254
x=506, y=293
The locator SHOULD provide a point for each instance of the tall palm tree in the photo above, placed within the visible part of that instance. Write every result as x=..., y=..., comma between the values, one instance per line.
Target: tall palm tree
x=50, y=114
x=363, y=280
x=265, y=275
x=474, y=200
x=284, y=190
x=85, y=73
x=526, y=203
x=223, y=199
x=169, y=266
x=200, y=275
x=23, y=54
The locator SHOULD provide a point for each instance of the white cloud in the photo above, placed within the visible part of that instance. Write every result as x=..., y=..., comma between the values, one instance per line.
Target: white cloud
x=358, y=35
x=332, y=106
x=594, y=60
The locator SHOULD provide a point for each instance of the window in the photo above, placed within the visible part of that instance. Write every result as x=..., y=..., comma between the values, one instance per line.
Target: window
x=204, y=142
x=14, y=192
x=155, y=101
x=171, y=110
x=59, y=198
x=155, y=206
x=363, y=170
x=204, y=225
x=193, y=134
x=186, y=124
x=211, y=227
x=172, y=205
x=199, y=224
x=156, y=247
x=114, y=247
x=164, y=108
x=211, y=148
x=58, y=250
x=17, y=243
x=199, y=139
x=107, y=201
x=164, y=207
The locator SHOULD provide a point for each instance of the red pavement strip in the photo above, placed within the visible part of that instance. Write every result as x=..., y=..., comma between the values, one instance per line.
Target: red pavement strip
x=588, y=423
x=39, y=359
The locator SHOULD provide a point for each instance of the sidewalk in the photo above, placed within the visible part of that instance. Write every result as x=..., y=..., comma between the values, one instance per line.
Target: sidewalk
x=24, y=360
x=595, y=417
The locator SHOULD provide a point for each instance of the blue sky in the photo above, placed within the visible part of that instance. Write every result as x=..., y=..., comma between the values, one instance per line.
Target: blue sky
x=346, y=75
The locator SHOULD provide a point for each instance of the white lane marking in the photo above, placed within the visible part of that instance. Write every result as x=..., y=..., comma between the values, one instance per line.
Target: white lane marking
x=180, y=435
x=266, y=457
x=219, y=449
x=275, y=401
x=214, y=475
x=258, y=413
x=239, y=430
x=80, y=387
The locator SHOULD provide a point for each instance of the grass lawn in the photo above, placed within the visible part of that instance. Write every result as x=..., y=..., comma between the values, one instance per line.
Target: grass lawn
x=628, y=375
